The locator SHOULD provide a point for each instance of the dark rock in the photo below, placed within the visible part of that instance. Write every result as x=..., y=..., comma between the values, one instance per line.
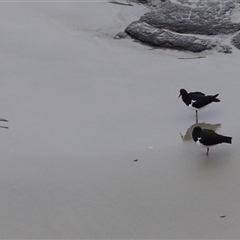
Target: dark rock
x=178, y=25
x=236, y=41
x=162, y=38
x=121, y=35
x=224, y=49
x=207, y=20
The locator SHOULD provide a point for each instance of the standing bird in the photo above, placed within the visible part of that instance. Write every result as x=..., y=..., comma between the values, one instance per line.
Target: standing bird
x=197, y=100
x=208, y=138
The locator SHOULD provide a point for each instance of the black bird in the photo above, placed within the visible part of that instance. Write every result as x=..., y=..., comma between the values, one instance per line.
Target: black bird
x=197, y=100
x=208, y=138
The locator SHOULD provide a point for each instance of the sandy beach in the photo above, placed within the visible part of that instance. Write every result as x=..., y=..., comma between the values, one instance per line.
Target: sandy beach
x=82, y=106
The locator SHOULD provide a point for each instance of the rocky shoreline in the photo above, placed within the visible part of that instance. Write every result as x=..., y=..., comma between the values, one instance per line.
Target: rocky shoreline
x=184, y=25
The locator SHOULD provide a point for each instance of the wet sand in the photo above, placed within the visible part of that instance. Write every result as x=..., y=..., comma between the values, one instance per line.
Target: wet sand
x=83, y=106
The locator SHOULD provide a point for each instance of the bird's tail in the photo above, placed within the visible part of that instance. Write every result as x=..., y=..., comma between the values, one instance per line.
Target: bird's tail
x=215, y=99
x=227, y=139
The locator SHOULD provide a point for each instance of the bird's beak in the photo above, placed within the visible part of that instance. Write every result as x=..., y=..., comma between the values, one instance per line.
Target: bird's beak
x=179, y=95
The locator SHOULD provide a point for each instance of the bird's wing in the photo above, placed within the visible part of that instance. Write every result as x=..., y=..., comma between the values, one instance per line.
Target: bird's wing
x=202, y=101
x=194, y=95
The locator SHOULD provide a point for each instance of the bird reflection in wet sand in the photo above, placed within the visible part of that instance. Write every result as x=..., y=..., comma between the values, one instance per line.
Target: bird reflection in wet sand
x=188, y=134
x=208, y=138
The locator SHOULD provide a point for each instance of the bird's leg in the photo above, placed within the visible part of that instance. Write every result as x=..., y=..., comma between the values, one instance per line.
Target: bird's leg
x=196, y=116
x=207, y=151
